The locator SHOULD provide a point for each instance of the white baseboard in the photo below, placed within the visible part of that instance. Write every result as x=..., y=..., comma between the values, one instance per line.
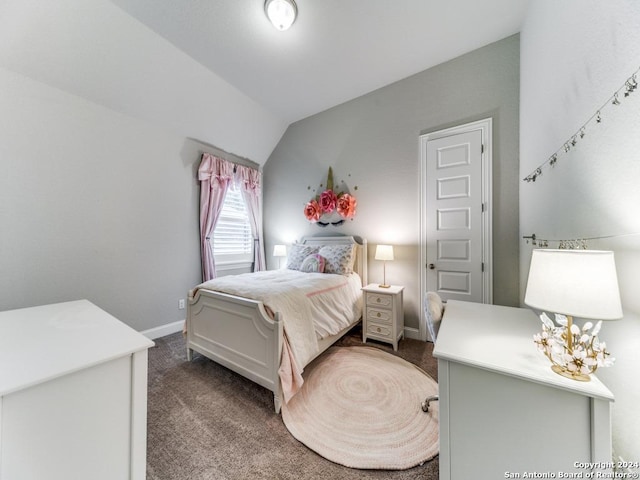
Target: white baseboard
x=163, y=330
x=169, y=328
x=410, y=332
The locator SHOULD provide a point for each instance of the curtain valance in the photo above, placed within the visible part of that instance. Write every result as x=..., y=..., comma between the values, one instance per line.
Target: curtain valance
x=221, y=170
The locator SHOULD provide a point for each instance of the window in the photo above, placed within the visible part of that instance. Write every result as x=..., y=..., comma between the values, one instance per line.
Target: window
x=232, y=238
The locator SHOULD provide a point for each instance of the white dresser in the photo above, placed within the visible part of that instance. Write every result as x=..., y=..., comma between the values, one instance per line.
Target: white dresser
x=73, y=395
x=503, y=412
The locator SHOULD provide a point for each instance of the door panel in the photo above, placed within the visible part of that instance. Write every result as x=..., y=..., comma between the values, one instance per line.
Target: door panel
x=454, y=187
x=452, y=283
x=453, y=219
x=455, y=250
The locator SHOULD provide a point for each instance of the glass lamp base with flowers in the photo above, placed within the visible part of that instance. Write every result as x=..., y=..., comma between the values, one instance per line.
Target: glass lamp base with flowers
x=574, y=352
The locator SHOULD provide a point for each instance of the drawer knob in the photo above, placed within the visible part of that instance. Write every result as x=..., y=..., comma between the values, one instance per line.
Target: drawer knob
x=378, y=299
x=378, y=329
x=378, y=314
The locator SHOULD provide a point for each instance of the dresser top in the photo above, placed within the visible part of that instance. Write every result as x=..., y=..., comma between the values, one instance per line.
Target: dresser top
x=500, y=339
x=375, y=288
x=42, y=343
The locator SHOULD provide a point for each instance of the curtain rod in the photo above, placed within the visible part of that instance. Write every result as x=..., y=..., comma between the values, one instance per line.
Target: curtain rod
x=222, y=153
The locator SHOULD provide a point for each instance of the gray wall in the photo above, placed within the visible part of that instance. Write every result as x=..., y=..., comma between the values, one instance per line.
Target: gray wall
x=575, y=54
x=94, y=204
x=372, y=143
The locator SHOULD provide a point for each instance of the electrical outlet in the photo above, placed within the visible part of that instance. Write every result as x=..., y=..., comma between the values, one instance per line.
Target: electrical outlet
x=181, y=304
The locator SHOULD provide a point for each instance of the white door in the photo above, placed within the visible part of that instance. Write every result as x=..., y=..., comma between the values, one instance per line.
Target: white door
x=456, y=212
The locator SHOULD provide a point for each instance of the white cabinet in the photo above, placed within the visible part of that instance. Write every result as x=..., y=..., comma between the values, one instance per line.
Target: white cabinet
x=383, y=316
x=73, y=395
x=502, y=410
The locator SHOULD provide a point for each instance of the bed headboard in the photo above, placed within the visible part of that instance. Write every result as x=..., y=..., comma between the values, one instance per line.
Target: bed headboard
x=360, y=265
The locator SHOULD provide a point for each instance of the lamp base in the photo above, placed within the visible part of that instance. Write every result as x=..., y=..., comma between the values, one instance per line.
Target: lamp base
x=580, y=377
x=384, y=286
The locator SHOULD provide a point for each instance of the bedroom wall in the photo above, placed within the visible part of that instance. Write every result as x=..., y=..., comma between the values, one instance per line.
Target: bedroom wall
x=574, y=55
x=372, y=143
x=102, y=124
x=95, y=205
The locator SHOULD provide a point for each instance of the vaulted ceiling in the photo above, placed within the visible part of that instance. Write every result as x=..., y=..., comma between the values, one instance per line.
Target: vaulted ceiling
x=335, y=51
x=218, y=72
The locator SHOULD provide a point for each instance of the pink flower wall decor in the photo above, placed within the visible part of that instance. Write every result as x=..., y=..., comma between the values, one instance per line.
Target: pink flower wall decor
x=328, y=202
x=347, y=205
x=312, y=211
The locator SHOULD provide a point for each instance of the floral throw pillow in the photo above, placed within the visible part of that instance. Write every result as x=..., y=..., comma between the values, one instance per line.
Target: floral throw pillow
x=297, y=253
x=338, y=258
x=314, y=263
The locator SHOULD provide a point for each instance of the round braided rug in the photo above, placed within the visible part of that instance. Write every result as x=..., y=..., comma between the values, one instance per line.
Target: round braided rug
x=361, y=407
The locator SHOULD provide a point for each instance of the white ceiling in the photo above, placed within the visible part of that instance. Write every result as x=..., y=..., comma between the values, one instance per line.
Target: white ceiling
x=335, y=51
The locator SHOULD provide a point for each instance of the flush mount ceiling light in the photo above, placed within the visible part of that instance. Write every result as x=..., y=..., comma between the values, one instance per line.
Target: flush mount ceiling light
x=282, y=13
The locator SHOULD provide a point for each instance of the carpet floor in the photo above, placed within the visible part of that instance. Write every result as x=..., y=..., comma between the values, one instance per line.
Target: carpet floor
x=205, y=422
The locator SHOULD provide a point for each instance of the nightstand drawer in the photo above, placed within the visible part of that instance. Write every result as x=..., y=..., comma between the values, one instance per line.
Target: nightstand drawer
x=379, y=300
x=377, y=330
x=380, y=316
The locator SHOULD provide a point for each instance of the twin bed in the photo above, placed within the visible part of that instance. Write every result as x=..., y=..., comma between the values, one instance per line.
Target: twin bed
x=267, y=326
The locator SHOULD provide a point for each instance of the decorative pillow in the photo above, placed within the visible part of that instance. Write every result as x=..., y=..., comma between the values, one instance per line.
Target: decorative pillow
x=297, y=253
x=314, y=263
x=434, y=308
x=338, y=258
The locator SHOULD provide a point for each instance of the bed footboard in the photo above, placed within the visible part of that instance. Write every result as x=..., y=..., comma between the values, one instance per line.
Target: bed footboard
x=239, y=334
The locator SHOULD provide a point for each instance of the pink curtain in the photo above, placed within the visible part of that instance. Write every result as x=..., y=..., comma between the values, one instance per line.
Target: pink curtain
x=215, y=175
x=249, y=181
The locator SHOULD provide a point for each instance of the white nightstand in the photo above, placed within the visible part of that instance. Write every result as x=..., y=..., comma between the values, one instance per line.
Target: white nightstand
x=383, y=317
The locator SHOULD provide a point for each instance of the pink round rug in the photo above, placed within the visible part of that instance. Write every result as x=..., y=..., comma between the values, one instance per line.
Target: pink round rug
x=361, y=407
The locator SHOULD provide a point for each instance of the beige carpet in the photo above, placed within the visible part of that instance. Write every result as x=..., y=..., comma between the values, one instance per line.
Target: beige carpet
x=361, y=407
x=208, y=423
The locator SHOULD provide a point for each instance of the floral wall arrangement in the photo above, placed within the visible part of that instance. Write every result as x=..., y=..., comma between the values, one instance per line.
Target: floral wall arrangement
x=330, y=207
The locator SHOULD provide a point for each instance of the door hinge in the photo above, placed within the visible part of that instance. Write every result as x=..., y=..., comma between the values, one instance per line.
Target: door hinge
x=482, y=148
x=482, y=266
x=484, y=206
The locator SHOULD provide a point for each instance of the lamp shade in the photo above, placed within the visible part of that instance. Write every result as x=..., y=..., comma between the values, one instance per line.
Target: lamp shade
x=580, y=283
x=282, y=13
x=279, y=251
x=384, y=252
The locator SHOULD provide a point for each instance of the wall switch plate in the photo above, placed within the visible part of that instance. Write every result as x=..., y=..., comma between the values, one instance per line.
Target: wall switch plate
x=181, y=304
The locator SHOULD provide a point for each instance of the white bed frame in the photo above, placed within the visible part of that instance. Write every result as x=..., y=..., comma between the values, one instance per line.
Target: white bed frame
x=239, y=333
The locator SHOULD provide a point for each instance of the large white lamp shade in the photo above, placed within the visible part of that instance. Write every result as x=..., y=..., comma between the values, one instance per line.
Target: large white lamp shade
x=580, y=283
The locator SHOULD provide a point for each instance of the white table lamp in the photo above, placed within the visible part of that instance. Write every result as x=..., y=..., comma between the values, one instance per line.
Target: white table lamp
x=384, y=253
x=279, y=251
x=574, y=283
